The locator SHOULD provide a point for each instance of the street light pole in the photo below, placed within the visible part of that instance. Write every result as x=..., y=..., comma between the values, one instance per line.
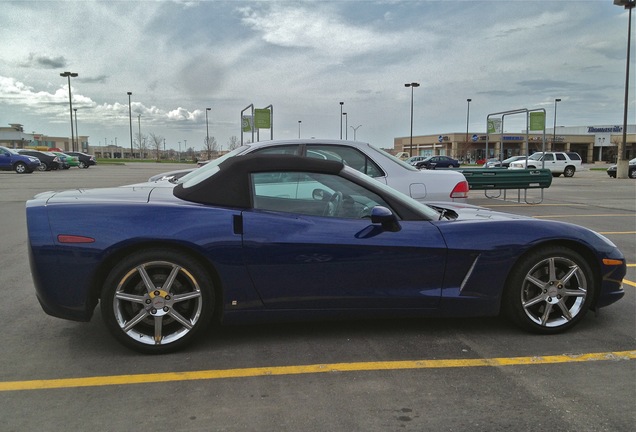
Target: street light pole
x=554, y=128
x=341, y=104
x=138, y=137
x=412, y=85
x=130, y=122
x=76, y=130
x=70, y=103
x=346, y=126
x=468, y=101
x=299, y=122
x=622, y=166
x=355, y=129
x=207, y=131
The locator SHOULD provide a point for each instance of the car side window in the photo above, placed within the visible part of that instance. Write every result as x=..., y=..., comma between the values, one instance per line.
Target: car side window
x=560, y=156
x=284, y=149
x=548, y=157
x=347, y=155
x=312, y=194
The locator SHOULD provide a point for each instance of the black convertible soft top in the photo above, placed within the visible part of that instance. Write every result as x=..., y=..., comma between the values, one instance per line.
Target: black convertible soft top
x=230, y=187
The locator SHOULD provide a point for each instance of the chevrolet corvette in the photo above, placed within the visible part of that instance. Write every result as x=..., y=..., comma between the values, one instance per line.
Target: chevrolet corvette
x=260, y=238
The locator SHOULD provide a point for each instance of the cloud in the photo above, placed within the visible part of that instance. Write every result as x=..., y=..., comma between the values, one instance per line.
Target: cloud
x=44, y=62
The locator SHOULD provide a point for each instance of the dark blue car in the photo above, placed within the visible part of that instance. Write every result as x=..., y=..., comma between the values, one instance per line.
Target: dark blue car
x=10, y=160
x=275, y=237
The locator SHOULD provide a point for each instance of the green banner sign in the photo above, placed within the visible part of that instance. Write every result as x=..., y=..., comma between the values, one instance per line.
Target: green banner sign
x=494, y=126
x=262, y=118
x=537, y=120
x=246, y=124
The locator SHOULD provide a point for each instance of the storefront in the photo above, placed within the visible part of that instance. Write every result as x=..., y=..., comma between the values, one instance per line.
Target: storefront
x=593, y=143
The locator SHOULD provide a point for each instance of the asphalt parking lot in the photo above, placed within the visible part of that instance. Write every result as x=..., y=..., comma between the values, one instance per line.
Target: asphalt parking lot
x=397, y=375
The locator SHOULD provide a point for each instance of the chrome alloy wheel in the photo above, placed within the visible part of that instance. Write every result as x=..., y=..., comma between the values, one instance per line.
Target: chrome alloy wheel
x=157, y=303
x=554, y=291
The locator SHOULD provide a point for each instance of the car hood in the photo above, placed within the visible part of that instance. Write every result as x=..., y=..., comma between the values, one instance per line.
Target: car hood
x=472, y=212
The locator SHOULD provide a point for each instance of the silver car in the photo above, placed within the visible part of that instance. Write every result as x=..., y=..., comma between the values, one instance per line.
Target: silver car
x=424, y=186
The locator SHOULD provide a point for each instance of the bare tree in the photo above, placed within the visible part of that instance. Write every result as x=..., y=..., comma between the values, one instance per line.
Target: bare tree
x=233, y=143
x=141, y=144
x=156, y=143
x=211, y=147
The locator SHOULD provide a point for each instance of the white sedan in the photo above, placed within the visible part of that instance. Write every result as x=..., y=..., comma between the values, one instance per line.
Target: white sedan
x=424, y=186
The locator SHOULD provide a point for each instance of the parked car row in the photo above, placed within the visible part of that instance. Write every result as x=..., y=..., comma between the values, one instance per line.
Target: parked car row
x=26, y=160
x=11, y=160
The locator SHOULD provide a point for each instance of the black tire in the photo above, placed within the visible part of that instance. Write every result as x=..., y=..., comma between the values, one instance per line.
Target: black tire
x=569, y=171
x=82, y=164
x=632, y=173
x=20, y=168
x=549, y=290
x=43, y=167
x=159, y=319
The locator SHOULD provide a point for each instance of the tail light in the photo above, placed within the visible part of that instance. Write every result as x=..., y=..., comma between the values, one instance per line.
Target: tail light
x=460, y=190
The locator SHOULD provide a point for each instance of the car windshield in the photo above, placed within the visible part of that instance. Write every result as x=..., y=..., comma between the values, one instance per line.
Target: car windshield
x=426, y=211
x=536, y=156
x=392, y=158
x=9, y=150
x=207, y=170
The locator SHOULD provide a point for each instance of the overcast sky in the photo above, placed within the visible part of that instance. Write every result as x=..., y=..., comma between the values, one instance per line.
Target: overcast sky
x=304, y=57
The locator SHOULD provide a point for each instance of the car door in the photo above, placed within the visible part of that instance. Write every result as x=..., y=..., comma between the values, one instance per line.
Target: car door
x=300, y=256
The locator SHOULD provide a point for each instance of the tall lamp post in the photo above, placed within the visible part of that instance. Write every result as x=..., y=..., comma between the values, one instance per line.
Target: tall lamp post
x=346, y=126
x=622, y=165
x=468, y=101
x=207, y=131
x=554, y=128
x=355, y=129
x=139, y=137
x=70, y=103
x=77, y=130
x=130, y=122
x=341, y=104
x=412, y=85
x=299, y=122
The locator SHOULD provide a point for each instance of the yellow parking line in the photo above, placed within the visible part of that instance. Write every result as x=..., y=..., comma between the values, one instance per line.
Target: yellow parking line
x=628, y=282
x=616, y=232
x=589, y=215
x=99, y=381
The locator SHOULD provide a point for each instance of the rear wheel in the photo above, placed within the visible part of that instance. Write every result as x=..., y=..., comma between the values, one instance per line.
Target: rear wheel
x=549, y=291
x=43, y=167
x=632, y=173
x=569, y=171
x=157, y=301
x=82, y=165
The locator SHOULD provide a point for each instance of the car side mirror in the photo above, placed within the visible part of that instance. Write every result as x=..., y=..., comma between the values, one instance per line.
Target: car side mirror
x=320, y=195
x=385, y=217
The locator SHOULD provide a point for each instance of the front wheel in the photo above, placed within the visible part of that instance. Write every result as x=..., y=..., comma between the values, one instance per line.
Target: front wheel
x=20, y=168
x=83, y=165
x=157, y=301
x=549, y=291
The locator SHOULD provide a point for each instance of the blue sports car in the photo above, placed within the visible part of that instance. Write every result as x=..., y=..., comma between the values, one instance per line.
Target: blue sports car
x=276, y=237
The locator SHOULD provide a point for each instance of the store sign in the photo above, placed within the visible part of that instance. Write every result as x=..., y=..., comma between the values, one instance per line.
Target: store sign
x=537, y=120
x=262, y=118
x=611, y=129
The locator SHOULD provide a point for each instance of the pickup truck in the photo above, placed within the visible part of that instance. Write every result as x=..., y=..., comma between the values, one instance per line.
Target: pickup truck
x=558, y=163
